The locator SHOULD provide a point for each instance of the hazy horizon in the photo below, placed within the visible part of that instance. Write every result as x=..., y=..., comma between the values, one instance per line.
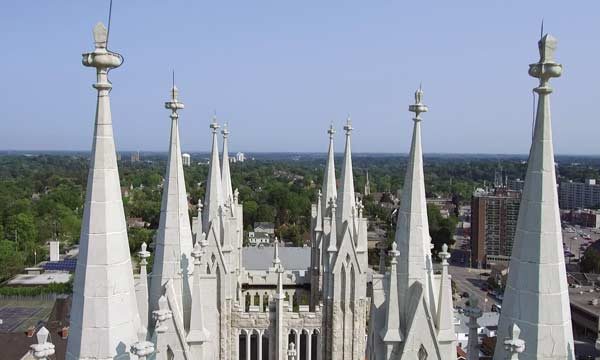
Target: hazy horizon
x=280, y=73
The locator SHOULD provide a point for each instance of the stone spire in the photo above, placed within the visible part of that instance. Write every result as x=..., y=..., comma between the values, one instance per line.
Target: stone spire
x=346, y=200
x=473, y=312
x=198, y=331
x=142, y=287
x=445, y=311
x=172, y=254
x=536, y=297
x=280, y=336
x=329, y=190
x=225, y=173
x=104, y=314
x=412, y=230
x=392, y=334
x=213, y=198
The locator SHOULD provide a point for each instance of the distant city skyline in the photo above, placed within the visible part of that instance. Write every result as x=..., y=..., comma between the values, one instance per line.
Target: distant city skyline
x=280, y=73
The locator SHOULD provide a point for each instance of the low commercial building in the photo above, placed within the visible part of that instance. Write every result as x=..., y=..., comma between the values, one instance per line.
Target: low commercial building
x=583, y=217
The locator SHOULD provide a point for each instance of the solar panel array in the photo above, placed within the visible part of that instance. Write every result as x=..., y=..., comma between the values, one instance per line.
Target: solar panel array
x=62, y=265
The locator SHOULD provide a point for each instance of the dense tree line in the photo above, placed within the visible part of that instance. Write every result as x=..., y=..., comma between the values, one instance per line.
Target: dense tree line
x=42, y=196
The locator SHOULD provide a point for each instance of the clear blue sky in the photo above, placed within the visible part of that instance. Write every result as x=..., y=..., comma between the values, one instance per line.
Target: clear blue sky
x=280, y=71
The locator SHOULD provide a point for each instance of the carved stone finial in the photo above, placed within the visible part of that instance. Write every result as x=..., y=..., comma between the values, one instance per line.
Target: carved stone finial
x=225, y=131
x=394, y=253
x=142, y=349
x=444, y=254
x=546, y=68
x=197, y=252
x=100, y=35
x=162, y=315
x=331, y=131
x=43, y=349
x=418, y=107
x=513, y=344
x=348, y=127
x=214, y=125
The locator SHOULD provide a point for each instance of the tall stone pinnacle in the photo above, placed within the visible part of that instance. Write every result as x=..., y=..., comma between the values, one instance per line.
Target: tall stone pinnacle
x=412, y=229
x=104, y=315
x=392, y=333
x=329, y=190
x=346, y=200
x=536, y=297
x=445, y=312
x=213, y=198
x=225, y=173
x=172, y=254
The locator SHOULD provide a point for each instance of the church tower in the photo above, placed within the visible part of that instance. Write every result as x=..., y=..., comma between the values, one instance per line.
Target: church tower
x=536, y=298
x=105, y=322
x=344, y=294
x=171, y=276
x=408, y=319
x=321, y=231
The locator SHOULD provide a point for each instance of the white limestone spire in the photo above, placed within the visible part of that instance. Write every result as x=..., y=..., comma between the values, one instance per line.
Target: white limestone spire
x=225, y=173
x=172, y=254
x=445, y=312
x=346, y=200
x=104, y=315
x=412, y=230
x=329, y=189
x=142, y=286
x=280, y=335
x=198, y=331
x=213, y=198
x=536, y=297
x=392, y=334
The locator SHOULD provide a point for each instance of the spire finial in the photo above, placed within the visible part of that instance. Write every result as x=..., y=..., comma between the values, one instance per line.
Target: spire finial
x=546, y=68
x=418, y=107
x=276, y=260
x=331, y=131
x=225, y=131
x=513, y=344
x=214, y=125
x=43, y=349
x=542, y=29
x=444, y=255
x=173, y=104
x=348, y=127
x=394, y=253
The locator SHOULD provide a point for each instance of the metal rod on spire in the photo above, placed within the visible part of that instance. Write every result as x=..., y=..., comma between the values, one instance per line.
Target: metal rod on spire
x=109, y=17
x=542, y=30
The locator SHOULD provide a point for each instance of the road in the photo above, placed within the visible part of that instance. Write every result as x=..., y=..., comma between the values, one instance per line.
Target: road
x=468, y=280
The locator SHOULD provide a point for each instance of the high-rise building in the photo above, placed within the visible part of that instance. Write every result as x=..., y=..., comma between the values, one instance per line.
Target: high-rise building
x=494, y=215
x=577, y=195
x=135, y=156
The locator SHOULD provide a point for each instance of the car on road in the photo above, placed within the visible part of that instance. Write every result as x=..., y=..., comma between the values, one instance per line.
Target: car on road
x=465, y=295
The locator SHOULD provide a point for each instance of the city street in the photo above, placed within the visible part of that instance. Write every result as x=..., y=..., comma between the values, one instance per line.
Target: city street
x=468, y=280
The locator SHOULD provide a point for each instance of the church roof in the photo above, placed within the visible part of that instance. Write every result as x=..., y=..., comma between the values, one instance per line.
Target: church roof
x=260, y=258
